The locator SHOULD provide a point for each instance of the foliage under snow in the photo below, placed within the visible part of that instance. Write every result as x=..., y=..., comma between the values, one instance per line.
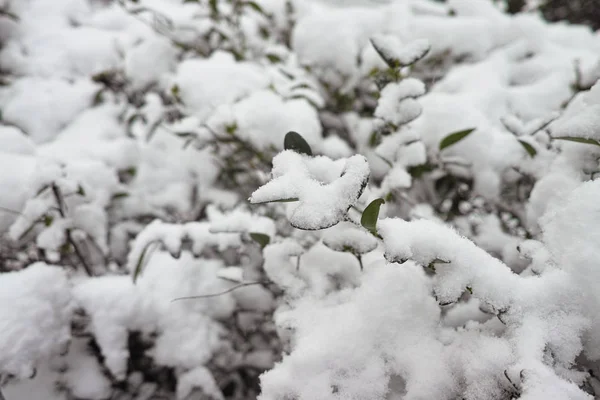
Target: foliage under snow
x=290, y=199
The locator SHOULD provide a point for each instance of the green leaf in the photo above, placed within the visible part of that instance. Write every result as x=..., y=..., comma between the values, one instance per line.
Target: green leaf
x=214, y=9
x=290, y=200
x=80, y=190
x=120, y=195
x=293, y=141
x=48, y=219
x=231, y=128
x=578, y=140
x=418, y=171
x=254, y=5
x=273, y=58
x=454, y=138
x=131, y=171
x=175, y=91
x=370, y=216
x=470, y=289
x=529, y=148
x=260, y=238
x=66, y=249
x=140, y=263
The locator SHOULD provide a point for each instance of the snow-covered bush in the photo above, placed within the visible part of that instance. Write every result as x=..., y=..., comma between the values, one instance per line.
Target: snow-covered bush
x=290, y=199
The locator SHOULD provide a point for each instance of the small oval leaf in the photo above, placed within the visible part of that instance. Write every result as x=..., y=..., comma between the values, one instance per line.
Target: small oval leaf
x=260, y=238
x=529, y=148
x=578, y=140
x=370, y=216
x=294, y=141
x=454, y=138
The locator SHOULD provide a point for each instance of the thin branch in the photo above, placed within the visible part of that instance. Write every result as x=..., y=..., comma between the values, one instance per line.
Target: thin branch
x=203, y=296
x=61, y=210
x=8, y=210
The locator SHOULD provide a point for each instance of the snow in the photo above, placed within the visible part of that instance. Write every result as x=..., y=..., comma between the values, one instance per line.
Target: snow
x=38, y=296
x=207, y=84
x=569, y=231
x=263, y=118
x=397, y=104
x=36, y=96
x=391, y=48
x=119, y=123
x=346, y=235
x=85, y=376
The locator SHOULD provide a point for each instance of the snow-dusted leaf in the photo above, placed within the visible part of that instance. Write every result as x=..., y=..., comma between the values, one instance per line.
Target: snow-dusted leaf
x=397, y=103
x=325, y=189
x=232, y=274
x=396, y=54
x=348, y=237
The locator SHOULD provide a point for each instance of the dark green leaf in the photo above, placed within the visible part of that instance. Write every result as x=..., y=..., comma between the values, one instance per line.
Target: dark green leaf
x=260, y=238
x=578, y=140
x=370, y=215
x=470, y=289
x=80, y=190
x=214, y=9
x=231, y=128
x=418, y=171
x=254, y=6
x=374, y=139
x=529, y=148
x=293, y=141
x=290, y=200
x=175, y=90
x=140, y=263
x=273, y=58
x=48, y=219
x=120, y=195
x=66, y=249
x=454, y=138
x=131, y=171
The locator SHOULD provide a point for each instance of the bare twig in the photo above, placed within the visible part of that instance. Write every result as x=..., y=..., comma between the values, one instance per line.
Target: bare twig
x=203, y=296
x=8, y=210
